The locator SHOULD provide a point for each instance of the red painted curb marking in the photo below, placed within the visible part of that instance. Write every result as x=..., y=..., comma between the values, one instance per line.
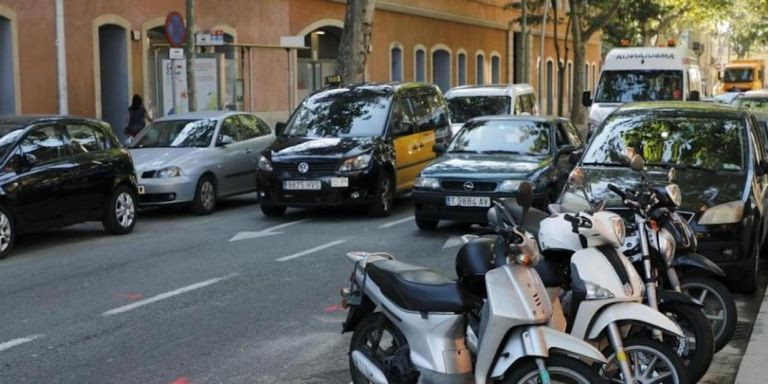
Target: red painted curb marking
x=132, y=296
x=181, y=380
x=332, y=308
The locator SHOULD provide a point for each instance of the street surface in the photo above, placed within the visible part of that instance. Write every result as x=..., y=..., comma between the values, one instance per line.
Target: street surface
x=229, y=298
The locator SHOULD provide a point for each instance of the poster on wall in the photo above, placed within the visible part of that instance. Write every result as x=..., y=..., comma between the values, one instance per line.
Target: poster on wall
x=175, y=94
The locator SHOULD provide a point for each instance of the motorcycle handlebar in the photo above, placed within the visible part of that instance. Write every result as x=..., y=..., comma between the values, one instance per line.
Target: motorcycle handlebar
x=572, y=219
x=617, y=191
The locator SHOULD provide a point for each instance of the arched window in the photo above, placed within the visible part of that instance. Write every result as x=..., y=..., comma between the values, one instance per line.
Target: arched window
x=9, y=89
x=396, y=62
x=594, y=76
x=420, y=64
x=587, y=86
x=480, y=68
x=568, y=85
x=441, y=68
x=495, y=69
x=550, y=87
x=461, y=68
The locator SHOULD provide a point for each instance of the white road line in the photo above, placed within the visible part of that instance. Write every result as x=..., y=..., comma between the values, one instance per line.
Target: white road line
x=15, y=342
x=167, y=295
x=396, y=222
x=264, y=232
x=311, y=250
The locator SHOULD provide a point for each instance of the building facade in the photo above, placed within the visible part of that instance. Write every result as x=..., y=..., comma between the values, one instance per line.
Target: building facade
x=117, y=48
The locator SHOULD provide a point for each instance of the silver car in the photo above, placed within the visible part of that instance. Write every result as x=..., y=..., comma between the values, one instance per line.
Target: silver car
x=196, y=158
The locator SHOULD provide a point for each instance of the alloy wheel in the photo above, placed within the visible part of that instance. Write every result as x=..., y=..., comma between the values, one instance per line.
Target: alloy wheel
x=207, y=195
x=713, y=305
x=386, y=194
x=5, y=232
x=125, y=210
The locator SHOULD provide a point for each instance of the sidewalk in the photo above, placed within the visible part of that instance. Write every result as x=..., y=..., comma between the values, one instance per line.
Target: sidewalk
x=754, y=365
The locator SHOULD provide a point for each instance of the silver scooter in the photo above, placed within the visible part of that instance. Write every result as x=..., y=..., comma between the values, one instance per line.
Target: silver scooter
x=409, y=322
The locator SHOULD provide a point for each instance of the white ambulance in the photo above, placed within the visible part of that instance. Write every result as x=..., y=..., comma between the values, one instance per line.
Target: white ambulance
x=642, y=74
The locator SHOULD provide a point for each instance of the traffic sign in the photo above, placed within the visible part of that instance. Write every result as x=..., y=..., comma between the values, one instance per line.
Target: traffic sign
x=175, y=31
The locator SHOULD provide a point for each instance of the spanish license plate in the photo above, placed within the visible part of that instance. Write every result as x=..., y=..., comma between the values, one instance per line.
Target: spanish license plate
x=468, y=201
x=302, y=185
x=339, y=182
x=141, y=190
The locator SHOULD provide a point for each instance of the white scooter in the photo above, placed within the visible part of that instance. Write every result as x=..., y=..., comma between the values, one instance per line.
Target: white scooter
x=410, y=322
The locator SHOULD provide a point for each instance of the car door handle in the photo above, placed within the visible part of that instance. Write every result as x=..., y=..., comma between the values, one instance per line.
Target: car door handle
x=248, y=150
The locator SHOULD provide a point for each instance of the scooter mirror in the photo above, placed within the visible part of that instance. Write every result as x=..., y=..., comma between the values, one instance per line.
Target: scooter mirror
x=577, y=177
x=637, y=163
x=672, y=175
x=525, y=197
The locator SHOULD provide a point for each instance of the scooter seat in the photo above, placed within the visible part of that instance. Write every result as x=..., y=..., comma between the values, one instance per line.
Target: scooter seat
x=420, y=289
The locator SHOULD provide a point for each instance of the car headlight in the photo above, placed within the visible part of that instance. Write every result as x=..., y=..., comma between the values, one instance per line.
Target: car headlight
x=426, y=183
x=673, y=190
x=726, y=213
x=596, y=292
x=265, y=165
x=169, y=172
x=510, y=185
x=355, y=163
x=665, y=245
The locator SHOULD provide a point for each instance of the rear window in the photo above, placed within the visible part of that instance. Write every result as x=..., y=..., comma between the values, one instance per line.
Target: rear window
x=465, y=108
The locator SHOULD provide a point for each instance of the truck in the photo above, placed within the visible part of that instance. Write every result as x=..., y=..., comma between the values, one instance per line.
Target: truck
x=742, y=75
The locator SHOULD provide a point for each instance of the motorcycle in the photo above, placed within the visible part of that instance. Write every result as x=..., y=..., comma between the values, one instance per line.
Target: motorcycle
x=409, y=323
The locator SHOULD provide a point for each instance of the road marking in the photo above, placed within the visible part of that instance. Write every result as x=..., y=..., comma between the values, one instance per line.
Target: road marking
x=15, y=342
x=396, y=222
x=453, y=241
x=264, y=232
x=311, y=250
x=167, y=295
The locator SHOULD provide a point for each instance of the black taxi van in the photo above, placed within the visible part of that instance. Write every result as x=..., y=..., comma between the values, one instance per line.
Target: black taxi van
x=353, y=145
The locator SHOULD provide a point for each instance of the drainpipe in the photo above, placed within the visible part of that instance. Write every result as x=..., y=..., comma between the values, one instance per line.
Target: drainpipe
x=542, y=63
x=61, y=59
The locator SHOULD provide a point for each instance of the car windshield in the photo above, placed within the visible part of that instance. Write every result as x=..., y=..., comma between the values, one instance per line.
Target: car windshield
x=710, y=142
x=358, y=112
x=756, y=104
x=467, y=107
x=503, y=136
x=8, y=136
x=177, y=133
x=737, y=75
x=636, y=85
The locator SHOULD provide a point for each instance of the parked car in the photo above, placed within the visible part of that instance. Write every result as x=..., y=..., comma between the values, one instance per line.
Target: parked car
x=469, y=101
x=358, y=145
x=756, y=101
x=726, y=97
x=198, y=158
x=60, y=170
x=721, y=169
x=489, y=158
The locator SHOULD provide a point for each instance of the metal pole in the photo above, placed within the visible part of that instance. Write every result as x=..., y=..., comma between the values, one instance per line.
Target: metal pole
x=61, y=59
x=190, y=55
x=542, y=61
x=526, y=59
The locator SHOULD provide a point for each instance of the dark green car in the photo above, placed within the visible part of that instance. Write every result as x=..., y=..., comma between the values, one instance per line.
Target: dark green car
x=489, y=158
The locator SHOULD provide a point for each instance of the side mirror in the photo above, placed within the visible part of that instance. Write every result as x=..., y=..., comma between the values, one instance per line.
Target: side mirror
x=577, y=177
x=637, y=163
x=694, y=96
x=224, y=140
x=672, y=175
x=23, y=163
x=566, y=149
x=439, y=148
x=280, y=128
x=575, y=156
x=586, y=98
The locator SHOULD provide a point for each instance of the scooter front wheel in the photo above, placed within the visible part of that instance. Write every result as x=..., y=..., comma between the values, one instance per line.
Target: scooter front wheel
x=650, y=361
x=561, y=369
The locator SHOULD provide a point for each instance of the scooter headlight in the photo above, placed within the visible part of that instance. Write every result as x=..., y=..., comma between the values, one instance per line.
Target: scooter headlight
x=618, y=229
x=673, y=190
x=666, y=244
x=596, y=292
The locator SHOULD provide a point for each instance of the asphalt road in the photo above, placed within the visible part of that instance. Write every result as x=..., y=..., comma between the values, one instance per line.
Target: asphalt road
x=234, y=297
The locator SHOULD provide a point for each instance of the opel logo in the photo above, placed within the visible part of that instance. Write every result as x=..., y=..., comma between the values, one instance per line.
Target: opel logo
x=303, y=167
x=468, y=186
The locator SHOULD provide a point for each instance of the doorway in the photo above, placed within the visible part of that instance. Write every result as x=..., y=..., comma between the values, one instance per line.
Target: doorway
x=113, y=64
x=441, y=69
x=7, y=86
x=318, y=62
x=517, y=58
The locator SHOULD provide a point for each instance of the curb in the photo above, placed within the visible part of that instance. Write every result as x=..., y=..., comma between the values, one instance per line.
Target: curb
x=753, y=368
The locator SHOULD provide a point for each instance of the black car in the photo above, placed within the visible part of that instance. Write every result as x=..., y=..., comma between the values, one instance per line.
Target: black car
x=721, y=169
x=358, y=145
x=59, y=171
x=490, y=157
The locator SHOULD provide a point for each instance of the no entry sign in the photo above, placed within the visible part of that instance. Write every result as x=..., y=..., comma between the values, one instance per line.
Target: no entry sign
x=175, y=31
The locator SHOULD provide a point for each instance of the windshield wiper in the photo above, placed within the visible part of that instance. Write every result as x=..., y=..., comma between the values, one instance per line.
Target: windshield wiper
x=463, y=151
x=682, y=166
x=617, y=165
x=499, y=151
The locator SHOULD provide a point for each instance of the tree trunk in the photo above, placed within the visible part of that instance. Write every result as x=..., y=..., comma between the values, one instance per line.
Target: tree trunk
x=189, y=53
x=355, y=41
x=577, y=110
x=561, y=64
x=524, y=33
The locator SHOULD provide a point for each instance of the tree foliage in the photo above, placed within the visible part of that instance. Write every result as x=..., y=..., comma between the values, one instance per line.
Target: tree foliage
x=748, y=26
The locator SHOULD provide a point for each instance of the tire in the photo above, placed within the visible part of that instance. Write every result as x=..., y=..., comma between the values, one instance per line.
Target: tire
x=719, y=306
x=698, y=348
x=7, y=232
x=205, y=196
x=273, y=210
x=384, y=198
x=747, y=282
x=426, y=224
x=646, y=349
x=120, y=215
x=561, y=369
x=391, y=339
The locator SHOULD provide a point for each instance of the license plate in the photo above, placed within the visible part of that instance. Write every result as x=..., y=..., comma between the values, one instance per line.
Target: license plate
x=141, y=190
x=467, y=201
x=302, y=185
x=339, y=182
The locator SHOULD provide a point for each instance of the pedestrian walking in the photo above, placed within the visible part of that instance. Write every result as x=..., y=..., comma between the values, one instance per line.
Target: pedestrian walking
x=137, y=117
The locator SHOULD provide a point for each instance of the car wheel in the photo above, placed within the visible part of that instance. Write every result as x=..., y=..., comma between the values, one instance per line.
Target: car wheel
x=205, y=196
x=120, y=217
x=426, y=224
x=747, y=283
x=273, y=210
x=7, y=232
x=384, y=198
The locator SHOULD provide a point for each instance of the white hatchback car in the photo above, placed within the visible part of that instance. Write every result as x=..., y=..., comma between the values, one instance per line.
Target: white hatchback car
x=470, y=101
